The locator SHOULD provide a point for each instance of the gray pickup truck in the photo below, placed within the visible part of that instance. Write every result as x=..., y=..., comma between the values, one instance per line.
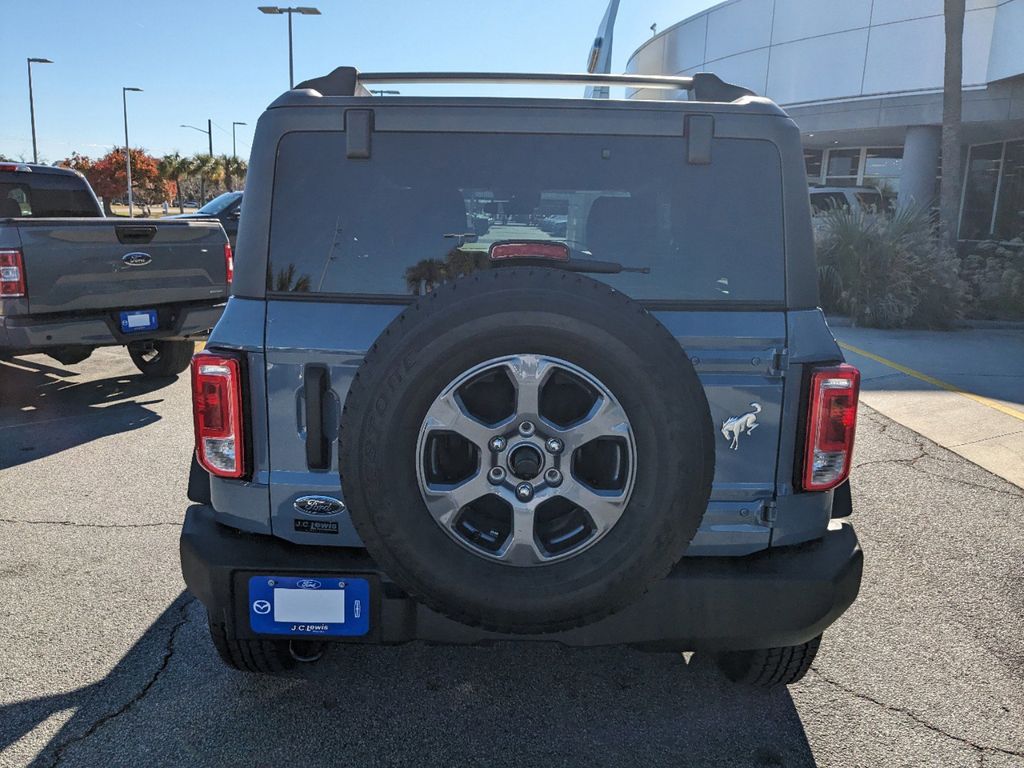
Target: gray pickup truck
x=72, y=280
x=548, y=369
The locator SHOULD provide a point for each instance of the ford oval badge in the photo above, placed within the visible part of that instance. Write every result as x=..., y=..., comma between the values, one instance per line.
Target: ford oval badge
x=308, y=584
x=136, y=259
x=318, y=505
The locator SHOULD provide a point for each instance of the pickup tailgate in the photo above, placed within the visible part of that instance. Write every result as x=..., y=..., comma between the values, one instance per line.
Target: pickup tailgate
x=92, y=264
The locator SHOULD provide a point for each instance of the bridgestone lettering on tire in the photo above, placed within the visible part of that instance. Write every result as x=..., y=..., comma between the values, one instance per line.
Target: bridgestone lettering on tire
x=526, y=450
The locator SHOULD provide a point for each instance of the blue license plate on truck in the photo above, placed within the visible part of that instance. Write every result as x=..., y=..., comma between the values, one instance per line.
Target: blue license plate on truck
x=137, y=320
x=333, y=606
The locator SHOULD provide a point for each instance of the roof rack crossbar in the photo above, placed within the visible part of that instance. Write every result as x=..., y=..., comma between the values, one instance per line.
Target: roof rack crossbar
x=348, y=81
x=525, y=78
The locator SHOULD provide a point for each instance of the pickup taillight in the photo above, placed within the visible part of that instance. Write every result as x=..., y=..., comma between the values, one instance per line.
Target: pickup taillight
x=217, y=409
x=229, y=263
x=831, y=423
x=12, y=274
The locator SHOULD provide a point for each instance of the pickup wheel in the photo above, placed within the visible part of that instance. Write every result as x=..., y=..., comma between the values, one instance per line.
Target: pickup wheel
x=769, y=667
x=160, y=359
x=267, y=657
x=526, y=450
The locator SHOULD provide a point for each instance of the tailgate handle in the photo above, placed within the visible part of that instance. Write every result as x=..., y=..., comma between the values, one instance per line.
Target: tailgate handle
x=128, y=234
x=318, y=452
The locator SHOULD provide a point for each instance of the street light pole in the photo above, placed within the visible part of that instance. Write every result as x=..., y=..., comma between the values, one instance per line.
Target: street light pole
x=127, y=148
x=234, y=153
x=32, y=105
x=291, y=65
x=273, y=10
x=209, y=137
x=208, y=131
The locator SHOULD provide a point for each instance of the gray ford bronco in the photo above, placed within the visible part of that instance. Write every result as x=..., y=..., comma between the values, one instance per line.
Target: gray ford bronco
x=510, y=368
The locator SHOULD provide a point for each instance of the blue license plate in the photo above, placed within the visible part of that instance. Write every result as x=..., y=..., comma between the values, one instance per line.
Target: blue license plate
x=309, y=605
x=137, y=320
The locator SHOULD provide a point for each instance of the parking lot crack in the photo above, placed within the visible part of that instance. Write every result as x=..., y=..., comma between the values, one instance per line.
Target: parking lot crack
x=911, y=461
x=968, y=483
x=74, y=524
x=168, y=653
x=981, y=748
x=924, y=453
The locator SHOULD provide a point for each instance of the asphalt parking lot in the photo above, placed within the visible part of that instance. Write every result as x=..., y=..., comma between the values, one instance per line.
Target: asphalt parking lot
x=105, y=661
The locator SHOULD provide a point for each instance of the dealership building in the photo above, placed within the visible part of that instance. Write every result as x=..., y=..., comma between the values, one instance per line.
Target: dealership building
x=863, y=80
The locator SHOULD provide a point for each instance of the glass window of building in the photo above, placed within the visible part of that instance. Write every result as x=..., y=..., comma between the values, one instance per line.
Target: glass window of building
x=843, y=167
x=812, y=161
x=882, y=168
x=1010, y=207
x=980, y=186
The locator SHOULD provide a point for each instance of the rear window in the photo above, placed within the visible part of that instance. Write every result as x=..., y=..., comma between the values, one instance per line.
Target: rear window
x=426, y=206
x=871, y=201
x=220, y=203
x=44, y=195
x=823, y=202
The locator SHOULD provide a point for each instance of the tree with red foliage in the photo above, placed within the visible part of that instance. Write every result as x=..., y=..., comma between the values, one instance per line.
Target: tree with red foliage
x=77, y=162
x=109, y=180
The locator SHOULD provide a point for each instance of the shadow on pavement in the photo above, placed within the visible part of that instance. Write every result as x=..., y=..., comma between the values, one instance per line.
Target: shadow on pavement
x=170, y=701
x=44, y=410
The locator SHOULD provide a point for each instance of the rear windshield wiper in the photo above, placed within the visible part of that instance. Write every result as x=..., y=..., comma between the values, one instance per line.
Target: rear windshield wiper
x=594, y=266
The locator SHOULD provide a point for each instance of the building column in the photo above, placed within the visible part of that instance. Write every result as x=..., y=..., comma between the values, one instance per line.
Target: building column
x=921, y=149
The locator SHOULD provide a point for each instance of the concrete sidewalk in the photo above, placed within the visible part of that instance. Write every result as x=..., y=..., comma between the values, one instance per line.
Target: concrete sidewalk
x=962, y=389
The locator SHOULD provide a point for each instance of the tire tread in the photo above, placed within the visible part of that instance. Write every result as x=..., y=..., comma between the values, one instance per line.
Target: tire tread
x=268, y=657
x=770, y=667
x=175, y=357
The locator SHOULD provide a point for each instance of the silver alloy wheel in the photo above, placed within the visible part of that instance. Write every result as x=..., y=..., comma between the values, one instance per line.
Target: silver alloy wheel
x=537, y=479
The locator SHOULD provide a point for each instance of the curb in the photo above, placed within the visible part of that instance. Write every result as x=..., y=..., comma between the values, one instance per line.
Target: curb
x=841, y=321
x=992, y=325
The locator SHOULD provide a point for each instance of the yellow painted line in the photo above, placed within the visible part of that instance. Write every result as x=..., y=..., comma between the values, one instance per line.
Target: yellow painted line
x=987, y=402
x=200, y=346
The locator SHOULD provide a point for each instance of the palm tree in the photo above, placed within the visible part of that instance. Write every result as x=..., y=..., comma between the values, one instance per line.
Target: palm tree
x=285, y=280
x=423, y=276
x=234, y=169
x=173, y=167
x=952, y=102
x=206, y=168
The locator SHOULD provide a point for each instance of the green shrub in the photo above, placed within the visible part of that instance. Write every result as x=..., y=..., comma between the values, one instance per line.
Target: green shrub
x=994, y=274
x=888, y=271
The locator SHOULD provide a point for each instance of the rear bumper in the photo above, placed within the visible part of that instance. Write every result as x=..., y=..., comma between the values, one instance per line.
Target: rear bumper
x=782, y=597
x=25, y=334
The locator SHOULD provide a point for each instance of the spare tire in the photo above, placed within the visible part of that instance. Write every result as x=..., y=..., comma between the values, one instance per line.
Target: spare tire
x=526, y=450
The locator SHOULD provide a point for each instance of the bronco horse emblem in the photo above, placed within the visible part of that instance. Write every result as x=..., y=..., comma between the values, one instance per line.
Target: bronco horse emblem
x=734, y=426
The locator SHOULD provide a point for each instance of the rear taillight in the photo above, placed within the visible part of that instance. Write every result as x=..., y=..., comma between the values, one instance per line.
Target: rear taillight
x=12, y=274
x=217, y=408
x=831, y=423
x=229, y=263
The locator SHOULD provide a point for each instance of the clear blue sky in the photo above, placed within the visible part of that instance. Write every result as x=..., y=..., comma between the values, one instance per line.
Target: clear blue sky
x=222, y=59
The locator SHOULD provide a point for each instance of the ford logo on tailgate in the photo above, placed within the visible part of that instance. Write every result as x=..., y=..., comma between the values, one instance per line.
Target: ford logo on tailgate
x=136, y=259
x=318, y=505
